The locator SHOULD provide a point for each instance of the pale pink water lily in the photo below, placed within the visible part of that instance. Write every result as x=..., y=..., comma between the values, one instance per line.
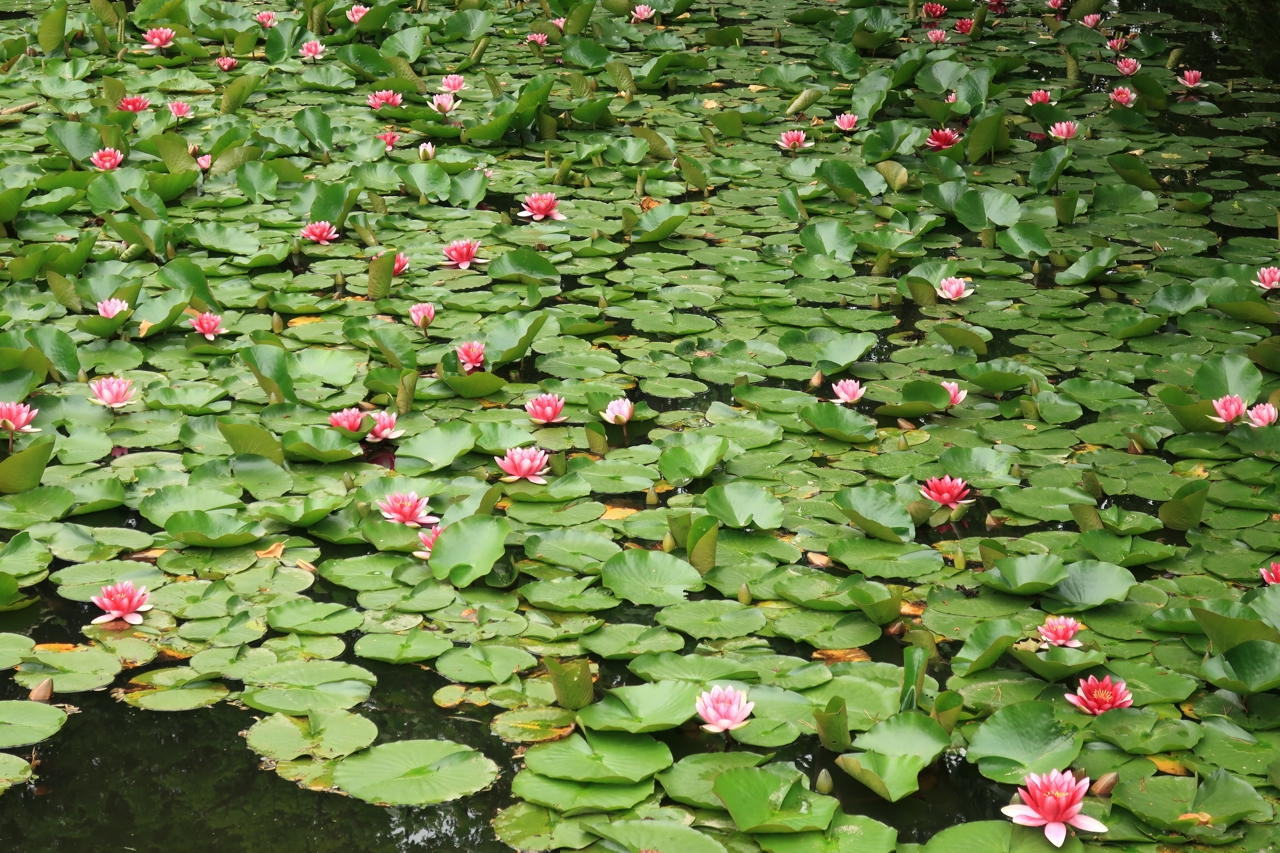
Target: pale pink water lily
x=723, y=709
x=953, y=288
x=540, y=39
x=426, y=151
x=453, y=83
x=208, y=324
x=462, y=254
x=948, y=491
x=546, y=409
x=384, y=428
x=618, y=412
x=121, y=601
x=226, y=63
x=1230, y=408
x=204, y=161
x=1123, y=96
x=1118, y=43
x=1097, y=697
x=559, y=22
x=355, y=13
x=957, y=395
x=351, y=420
x=1271, y=575
x=134, y=103
x=793, y=140
x=428, y=539
x=406, y=508
x=444, y=103
x=321, y=232
x=848, y=390
x=390, y=138
x=936, y=36
x=524, y=463
x=111, y=307
x=934, y=10
x=17, y=417
x=312, y=50
x=488, y=173
x=1039, y=96
x=1064, y=130
x=1191, y=79
x=641, y=13
x=422, y=315
x=951, y=97
x=1060, y=631
x=1268, y=278
x=112, y=392
x=384, y=98
x=964, y=26
x=1262, y=415
x=470, y=355
x=158, y=38
x=541, y=206
x=846, y=122
x=1091, y=21
x=1053, y=800
x=267, y=19
x=179, y=109
x=942, y=139
x=1128, y=67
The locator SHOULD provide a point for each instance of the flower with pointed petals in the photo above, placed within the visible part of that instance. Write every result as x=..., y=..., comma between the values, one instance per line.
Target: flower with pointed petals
x=1268, y=278
x=390, y=138
x=1262, y=415
x=936, y=36
x=1128, y=67
x=426, y=151
x=204, y=161
x=444, y=103
x=1271, y=575
x=1060, y=631
x=428, y=539
x=942, y=139
x=1037, y=137
x=1053, y=801
x=1191, y=79
x=471, y=355
x=540, y=39
x=179, y=109
x=846, y=122
x=934, y=10
x=964, y=26
x=401, y=264
x=950, y=98
x=1118, y=43
x=793, y=140
x=1123, y=96
x=17, y=417
x=208, y=324
x=559, y=22
x=134, y=103
x=954, y=288
x=111, y=307
x=618, y=412
x=997, y=7
x=1056, y=5
x=267, y=19
x=1039, y=96
x=546, y=409
x=384, y=98
x=953, y=388
x=1229, y=408
x=355, y=13
x=541, y=206
x=641, y=13
x=312, y=50
x=422, y=315
x=321, y=232
x=406, y=508
x=1097, y=697
x=848, y=390
x=158, y=38
x=1064, y=130
x=723, y=709
x=122, y=601
x=112, y=392
x=948, y=491
x=226, y=63
x=351, y=420
x=524, y=463
x=462, y=254
x=1091, y=21
x=453, y=83
x=384, y=428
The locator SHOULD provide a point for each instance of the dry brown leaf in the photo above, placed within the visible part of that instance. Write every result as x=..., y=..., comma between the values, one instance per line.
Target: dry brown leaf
x=1168, y=765
x=148, y=556
x=303, y=321
x=911, y=608
x=614, y=513
x=144, y=327
x=709, y=104
x=754, y=87
x=272, y=553
x=830, y=656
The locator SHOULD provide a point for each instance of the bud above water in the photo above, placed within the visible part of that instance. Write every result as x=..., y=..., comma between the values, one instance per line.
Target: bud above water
x=744, y=595
x=824, y=784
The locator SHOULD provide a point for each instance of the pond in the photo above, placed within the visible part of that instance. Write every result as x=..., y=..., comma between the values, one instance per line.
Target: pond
x=945, y=435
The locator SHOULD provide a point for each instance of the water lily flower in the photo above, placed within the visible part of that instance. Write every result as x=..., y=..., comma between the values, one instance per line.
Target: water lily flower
x=112, y=392
x=444, y=103
x=226, y=63
x=848, y=390
x=951, y=97
x=793, y=140
x=17, y=417
x=462, y=254
x=1091, y=21
x=426, y=151
x=352, y=420
x=546, y=409
x=111, y=307
x=934, y=10
x=1118, y=43
x=384, y=428
x=134, y=103
x=453, y=83
x=953, y=388
x=208, y=324
x=321, y=232
x=942, y=139
x=1271, y=575
x=1055, y=4
x=384, y=98
x=846, y=122
x=1128, y=67
x=122, y=601
x=355, y=13
x=422, y=315
x=1261, y=415
x=997, y=7
x=406, y=508
x=267, y=19
x=1037, y=137
x=541, y=206
x=964, y=26
x=1039, y=96
x=724, y=709
x=936, y=36
x=428, y=539
x=641, y=13
x=1064, y=130
x=158, y=38
x=179, y=109
x=1097, y=697
x=1123, y=96
x=618, y=412
x=1229, y=408
x=204, y=161
x=948, y=491
x=559, y=22
x=471, y=355
x=390, y=137
x=1191, y=79
x=1268, y=278
x=524, y=463
x=1060, y=631
x=401, y=264
x=1053, y=801
x=312, y=50
x=954, y=288
x=540, y=39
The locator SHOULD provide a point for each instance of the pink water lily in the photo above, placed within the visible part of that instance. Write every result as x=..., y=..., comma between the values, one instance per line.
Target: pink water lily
x=1118, y=43
x=618, y=412
x=951, y=97
x=122, y=601
x=226, y=63
x=524, y=463
x=390, y=138
x=1053, y=801
x=453, y=83
x=384, y=428
x=846, y=122
x=208, y=324
x=109, y=308
x=267, y=19
x=426, y=151
x=997, y=7
x=470, y=356
x=560, y=22
x=1268, y=278
x=1060, y=631
x=351, y=420
x=641, y=13
x=1039, y=96
x=205, y=161
x=428, y=539
x=321, y=232
x=1271, y=575
x=540, y=39
x=1055, y=4
x=1091, y=21
x=541, y=206
x=134, y=103
x=723, y=709
x=312, y=50
x=1097, y=697
x=1128, y=67
x=936, y=36
x=355, y=13
x=179, y=109
x=1230, y=408
x=793, y=140
x=112, y=392
x=1191, y=79
x=1123, y=96
x=158, y=38
x=964, y=26
x=546, y=409
x=17, y=417
x=384, y=98
x=948, y=491
x=1064, y=130
x=406, y=508
x=954, y=288
x=444, y=103
x=1262, y=415
x=942, y=139
x=422, y=315
x=934, y=10
x=848, y=390
x=462, y=254
x=957, y=395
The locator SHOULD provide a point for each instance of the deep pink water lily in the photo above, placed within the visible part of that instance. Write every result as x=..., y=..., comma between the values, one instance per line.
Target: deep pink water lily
x=848, y=390
x=179, y=109
x=1271, y=575
x=109, y=308
x=793, y=140
x=208, y=324
x=312, y=50
x=134, y=103
x=953, y=288
x=453, y=83
x=390, y=138
x=471, y=355
x=422, y=315
x=1064, y=130
x=384, y=98
x=1097, y=697
x=1262, y=415
x=106, y=159
x=226, y=63
x=948, y=491
x=1091, y=21
x=942, y=139
x=934, y=10
x=524, y=463
x=957, y=395
x=1118, y=43
x=964, y=26
x=122, y=601
x=723, y=709
x=462, y=254
x=1230, y=408
x=355, y=13
x=428, y=539
x=321, y=232
x=1268, y=278
x=540, y=39
x=539, y=206
x=1060, y=631
x=846, y=122
x=1123, y=96
x=1128, y=67
x=406, y=508
x=546, y=409
x=158, y=38
x=1053, y=800
x=17, y=417
x=351, y=420
x=384, y=428
x=1191, y=79
x=1039, y=96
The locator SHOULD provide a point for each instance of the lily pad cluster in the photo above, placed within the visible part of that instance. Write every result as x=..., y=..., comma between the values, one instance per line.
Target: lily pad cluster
x=596, y=355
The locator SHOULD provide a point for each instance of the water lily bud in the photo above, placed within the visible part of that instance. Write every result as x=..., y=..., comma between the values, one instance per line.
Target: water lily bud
x=958, y=560
x=744, y=595
x=668, y=542
x=348, y=482
x=816, y=380
x=82, y=376
x=1033, y=388
x=1016, y=470
x=1105, y=784
x=277, y=323
x=603, y=303
x=991, y=522
x=903, y=423
x=903, y=444
x=1035, y=268
x=1135, y=448
x=875, y=302
x=959, y=511
x=824, y=783
x=362, y=508
x=651, y=499
x=339, y=279
x=43, y=691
